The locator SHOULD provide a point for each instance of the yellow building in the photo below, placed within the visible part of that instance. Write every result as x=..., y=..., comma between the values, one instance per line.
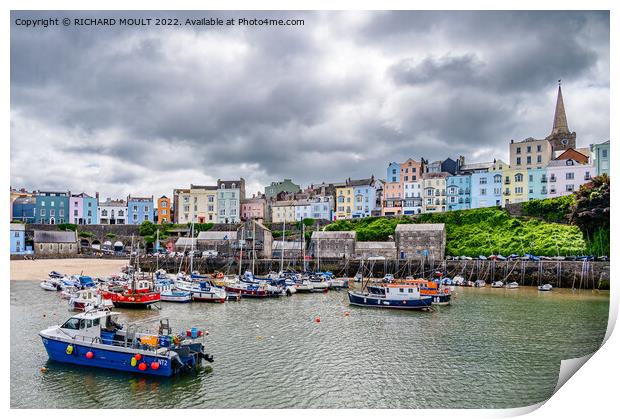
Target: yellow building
x=344, y=202
x=283, y=211
x=197, y=204
x=515, y=185
x=434, y=192
x=530, y=154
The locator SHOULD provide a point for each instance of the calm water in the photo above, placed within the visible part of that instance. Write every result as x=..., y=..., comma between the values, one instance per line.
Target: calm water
x=492, y=348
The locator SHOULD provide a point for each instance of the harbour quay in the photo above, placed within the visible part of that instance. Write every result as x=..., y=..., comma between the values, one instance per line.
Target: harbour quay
x=560, y=274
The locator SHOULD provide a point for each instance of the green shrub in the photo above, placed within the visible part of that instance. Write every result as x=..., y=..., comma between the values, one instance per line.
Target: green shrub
x=86, y=234
x=66, y=226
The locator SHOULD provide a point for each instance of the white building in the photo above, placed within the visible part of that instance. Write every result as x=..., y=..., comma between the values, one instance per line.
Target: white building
x=413, y=197
x=229, y=196
x=112, y=212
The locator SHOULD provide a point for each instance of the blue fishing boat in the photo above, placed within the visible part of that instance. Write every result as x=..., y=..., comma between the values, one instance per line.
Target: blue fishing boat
x=400, y=296
x=95, y=339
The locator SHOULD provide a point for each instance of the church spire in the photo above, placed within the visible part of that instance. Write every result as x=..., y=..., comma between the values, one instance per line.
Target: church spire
x=560, y=124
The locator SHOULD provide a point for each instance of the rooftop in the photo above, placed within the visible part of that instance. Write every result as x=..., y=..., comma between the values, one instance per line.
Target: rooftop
x=333, y=235
x=375, y=245
x=420, y=227
x=288, y=245
x=41, y=236
x=217, y=235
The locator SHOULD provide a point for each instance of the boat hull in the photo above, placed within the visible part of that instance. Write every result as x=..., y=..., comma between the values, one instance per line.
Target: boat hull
x=376, y=301
x=176, y=298
x=111, y=360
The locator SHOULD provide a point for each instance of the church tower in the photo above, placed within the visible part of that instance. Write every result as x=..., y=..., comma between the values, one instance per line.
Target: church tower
x=561, y=138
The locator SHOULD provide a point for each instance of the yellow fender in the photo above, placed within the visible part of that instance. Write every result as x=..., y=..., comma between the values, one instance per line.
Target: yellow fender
x=69, y=349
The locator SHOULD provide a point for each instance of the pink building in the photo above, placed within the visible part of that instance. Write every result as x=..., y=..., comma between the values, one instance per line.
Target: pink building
x=253, y=208
x=566, y=176
x=83, y=209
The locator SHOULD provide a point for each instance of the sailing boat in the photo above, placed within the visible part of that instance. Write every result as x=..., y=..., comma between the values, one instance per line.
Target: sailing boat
x=203, y=290
x=139, y=293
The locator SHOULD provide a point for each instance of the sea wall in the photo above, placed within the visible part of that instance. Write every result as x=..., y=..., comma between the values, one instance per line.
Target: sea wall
x=571, y=274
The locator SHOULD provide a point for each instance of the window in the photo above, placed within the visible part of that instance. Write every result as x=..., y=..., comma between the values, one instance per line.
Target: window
x=570, y=188
x=529, y=149
x=518, y=177
x=135, y=217
x=604, y=154
x=483, y=191
x=539, y=159
x=531, y=178
x=104, y=213
x=539, y=148
x=518, y=150
x=529, y=159
x=52, y=213
x=518, y=160
x=135, y=208
x=483, y=181
x=519, y=190
x=121, y=213
x=42, y=212
x=570, y=176
x=52, y=204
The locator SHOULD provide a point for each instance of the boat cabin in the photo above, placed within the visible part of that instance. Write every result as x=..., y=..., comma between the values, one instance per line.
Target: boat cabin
x=396, y=291
x=90, y=324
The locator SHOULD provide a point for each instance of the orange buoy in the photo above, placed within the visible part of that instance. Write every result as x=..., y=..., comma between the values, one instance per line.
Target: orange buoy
x=154, y=365
x=138, y=357
x=142, y=366
x=346, y=314
x=90, y=354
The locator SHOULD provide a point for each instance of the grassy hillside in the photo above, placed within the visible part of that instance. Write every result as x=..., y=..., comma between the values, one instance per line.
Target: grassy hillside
x=482, y=231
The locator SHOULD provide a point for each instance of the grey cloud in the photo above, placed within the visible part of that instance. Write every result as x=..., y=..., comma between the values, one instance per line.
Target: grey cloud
x=446, y=83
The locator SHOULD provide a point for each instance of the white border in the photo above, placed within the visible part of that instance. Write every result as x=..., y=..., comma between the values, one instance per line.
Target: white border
x=590, y=393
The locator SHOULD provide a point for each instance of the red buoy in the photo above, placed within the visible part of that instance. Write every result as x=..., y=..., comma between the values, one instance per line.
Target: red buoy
x=154, y=365
x=142, y=366
x=138, y=357
x=90, y=355
x=318, y=319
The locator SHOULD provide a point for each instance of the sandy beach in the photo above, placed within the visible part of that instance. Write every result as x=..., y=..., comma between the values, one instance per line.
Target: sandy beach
x=38, y=269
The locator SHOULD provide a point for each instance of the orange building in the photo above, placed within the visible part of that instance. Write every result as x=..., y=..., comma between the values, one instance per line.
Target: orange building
x=163, y=210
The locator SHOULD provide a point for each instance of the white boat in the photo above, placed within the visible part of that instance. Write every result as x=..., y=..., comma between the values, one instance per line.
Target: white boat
x=87, y=299
x=49, y=286
x=339, y=283
x=305, y=286
x=512, y=285
x=497, y=284
x=358, y=277
x=203, y=291
x=480, y=284
x=458, y=280
x=167, y=292
x=546, y=287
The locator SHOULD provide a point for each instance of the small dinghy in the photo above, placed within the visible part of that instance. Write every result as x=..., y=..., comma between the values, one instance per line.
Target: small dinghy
x=84, y=300
x=458, y=280
x=546, y=287
x=512, y=285
x=480, y=284
x=49, y=286
x=497, y=284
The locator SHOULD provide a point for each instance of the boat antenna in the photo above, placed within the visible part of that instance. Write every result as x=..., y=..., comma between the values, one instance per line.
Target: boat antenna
x=282, y=249
x=241, y=250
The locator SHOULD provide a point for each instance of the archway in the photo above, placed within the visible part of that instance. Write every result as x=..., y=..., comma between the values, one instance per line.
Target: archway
x=84, y=243
x=96, y=244
x=118, y=246
x=107, y=245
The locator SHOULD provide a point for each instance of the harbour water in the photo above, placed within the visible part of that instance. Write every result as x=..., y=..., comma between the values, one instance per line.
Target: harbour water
x=492, y=348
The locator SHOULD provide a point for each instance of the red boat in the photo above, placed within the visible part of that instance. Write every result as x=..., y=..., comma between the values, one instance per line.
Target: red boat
x=139, y=295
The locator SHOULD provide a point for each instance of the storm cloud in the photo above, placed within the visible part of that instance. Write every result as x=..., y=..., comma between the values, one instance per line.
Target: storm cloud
x=143, y=110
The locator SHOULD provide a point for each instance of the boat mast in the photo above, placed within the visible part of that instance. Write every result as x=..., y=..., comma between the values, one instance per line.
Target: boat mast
x=157, y=249
x=191, y=253
x=253, y=245
x=241, y=250
x=303, y=242
x=282, y=248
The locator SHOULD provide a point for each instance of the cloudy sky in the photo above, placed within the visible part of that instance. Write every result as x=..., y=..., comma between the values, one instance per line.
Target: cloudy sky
x=144, y=110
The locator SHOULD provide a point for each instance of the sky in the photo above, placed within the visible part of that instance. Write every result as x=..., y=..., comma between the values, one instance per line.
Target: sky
x=144, y=110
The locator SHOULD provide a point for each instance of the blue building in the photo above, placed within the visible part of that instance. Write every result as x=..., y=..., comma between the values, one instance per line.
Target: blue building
x=537, y=184
x=486, y=189
x=393, y=172
x=139, y=209
x=52, y=207
x=18, y=240
x=458, y=192
x=24, y=209
x=601, y=157
x=364, y=196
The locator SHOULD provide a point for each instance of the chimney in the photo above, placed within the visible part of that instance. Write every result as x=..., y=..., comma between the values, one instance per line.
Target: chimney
x=97, y=195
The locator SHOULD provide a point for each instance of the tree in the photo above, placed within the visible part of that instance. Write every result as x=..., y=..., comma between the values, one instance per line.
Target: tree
x=590, y=212
x=147, y=228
